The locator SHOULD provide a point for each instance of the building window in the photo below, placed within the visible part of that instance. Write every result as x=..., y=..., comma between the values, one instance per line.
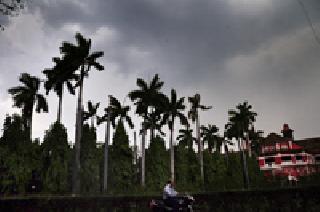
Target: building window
x=286, y=158
x=269, y=160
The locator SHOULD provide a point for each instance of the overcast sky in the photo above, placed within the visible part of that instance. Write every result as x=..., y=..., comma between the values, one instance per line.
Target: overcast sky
x=228, y=51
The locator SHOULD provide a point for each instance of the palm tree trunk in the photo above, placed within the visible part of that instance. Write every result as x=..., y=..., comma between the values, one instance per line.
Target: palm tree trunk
x=59, y=108
x=151, y=134
x=77, y=165
x=152, y=124
x=29, y=121
x=249, y=146
x=92, y=121
x=30, y=127
x=25, y=120
x=200, y=149
x=190, y=141
x=106, y=153
x=135, y=154
x=245, y=168
x=143, y=157
x=226, y=152
x=172, y=153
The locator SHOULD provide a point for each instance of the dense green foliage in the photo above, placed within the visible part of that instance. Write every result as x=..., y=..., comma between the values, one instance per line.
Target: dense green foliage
x=215, y=171
x=187, y=169
x=157, y=165
x=19, y=157
x=121, y=170
x=55, y=158
x=48, y=165
x=90, y=160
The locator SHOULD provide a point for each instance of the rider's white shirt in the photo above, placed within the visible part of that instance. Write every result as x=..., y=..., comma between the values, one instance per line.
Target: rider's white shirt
x=168, y=191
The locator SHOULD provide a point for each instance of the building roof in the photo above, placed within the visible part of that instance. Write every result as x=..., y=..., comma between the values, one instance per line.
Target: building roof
x=309, y=145
x=273, y=138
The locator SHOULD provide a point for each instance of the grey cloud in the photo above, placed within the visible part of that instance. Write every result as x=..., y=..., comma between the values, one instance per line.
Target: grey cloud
x=227, y=53
x=188, y=38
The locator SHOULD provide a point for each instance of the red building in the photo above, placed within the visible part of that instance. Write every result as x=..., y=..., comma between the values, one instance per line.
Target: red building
x=284, y=156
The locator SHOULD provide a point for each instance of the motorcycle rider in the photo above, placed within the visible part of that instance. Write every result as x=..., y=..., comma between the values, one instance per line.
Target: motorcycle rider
x=170, y=196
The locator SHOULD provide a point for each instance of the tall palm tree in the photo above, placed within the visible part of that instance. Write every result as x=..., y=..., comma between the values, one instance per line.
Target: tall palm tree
x=91, y=112
x=154, y=122
x=209, y=134
x=193, y=114
x=147, y=95
x=228, y=135
x=239, y=122
x=242, y=118
x=79, y=56
x=113, y=112
x=57, y=78
x=27, y=96
x=185, y=137
x=106, y=118
x=173, y=110
x=119, y=111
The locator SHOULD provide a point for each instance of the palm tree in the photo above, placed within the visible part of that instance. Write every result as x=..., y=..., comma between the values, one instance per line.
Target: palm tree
x=79, y=56
x=209, y=134
x=228, y=134
x=147, y=95
x=173, y=110
x=27, y=96
x=239, y=122
x=119, y=111
x=194, y=115
x=57, y=78
x=154, y=122
x=106, y=118
x=112, y=112
x=242, y=118
x=185, y=137
x=91, y=112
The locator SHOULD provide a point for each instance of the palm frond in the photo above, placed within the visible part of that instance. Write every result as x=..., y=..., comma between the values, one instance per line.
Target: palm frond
x=129, y=121
x=97, y=66
x=142, y=84
x=41, y=103
x=70, y=88
x=95, y=55
x=203, y=107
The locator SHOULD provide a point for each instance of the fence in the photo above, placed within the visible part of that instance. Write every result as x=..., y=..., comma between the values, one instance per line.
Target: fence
x=289, y=199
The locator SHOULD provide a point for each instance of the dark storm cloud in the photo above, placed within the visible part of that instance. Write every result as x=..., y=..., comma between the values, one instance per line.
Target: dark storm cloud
x=60, y=12
x=192, y=38
x=227, y=50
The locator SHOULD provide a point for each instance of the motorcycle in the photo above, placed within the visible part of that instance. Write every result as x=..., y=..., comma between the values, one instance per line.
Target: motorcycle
x=185, y=204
